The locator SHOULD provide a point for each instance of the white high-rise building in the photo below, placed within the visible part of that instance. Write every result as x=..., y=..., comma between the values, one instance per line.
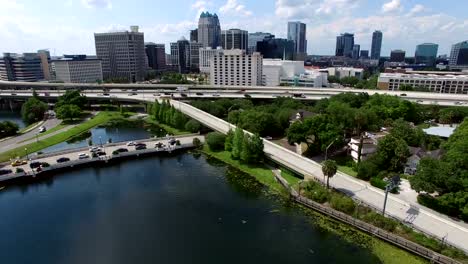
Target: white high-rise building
x=206, y=55
x=236, y=68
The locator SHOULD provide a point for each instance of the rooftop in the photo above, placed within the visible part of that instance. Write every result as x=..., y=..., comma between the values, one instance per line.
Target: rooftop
x=423, y=76
x=444, y=132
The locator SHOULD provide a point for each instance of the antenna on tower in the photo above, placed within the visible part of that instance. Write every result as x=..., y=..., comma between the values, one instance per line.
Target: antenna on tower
x=284, y=53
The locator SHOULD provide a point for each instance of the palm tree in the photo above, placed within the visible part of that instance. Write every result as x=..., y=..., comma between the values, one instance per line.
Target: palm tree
x=329, y=169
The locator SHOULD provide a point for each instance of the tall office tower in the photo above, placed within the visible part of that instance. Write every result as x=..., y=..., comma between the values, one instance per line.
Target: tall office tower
x=122, y=54
x=194, y=35
x=195, y=56
x=209, y=30
x=459, y=54
x=276, y=48
x=345, y=45
x=364, y=54
x=236, y=67
x=206, y=55
x=77, y=69
x=180, y=55
x=376, y=48
x=356, y=50
x=24, y=67
x=297, y=33
x=45, y=58
x=156, y=54
x=256, y=37
x=234, y=39
x=426, y=53
x=397, y=56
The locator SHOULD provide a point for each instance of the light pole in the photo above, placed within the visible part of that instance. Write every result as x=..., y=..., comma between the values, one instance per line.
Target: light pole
x=27, y=155
x=394, y=182
x=326, y=150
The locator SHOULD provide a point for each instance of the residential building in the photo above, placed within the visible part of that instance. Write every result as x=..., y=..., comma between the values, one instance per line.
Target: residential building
x=234, y=39
x=256, y=37
x=364, y=54
x=44, y=55
x=209, y=30
x=397, y=56
x=356, y=50
x=417, y=154
x=206, y=55
x=436, y=83
x=236, y=67
x=300, y=115
x=122, y=54
x=77, y=69
x=341, y=72
x=276, y=48
x=376, y=46
x=297, y=33
x=194, y=35
x=156, y=54
x=180, y=55
x=459, y=54
x=369, y=145
x=344, y=45
x=426, y=53
x=24, y=67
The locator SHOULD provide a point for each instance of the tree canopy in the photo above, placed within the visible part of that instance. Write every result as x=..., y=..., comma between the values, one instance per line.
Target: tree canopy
x=33, y=110
x=72, y=97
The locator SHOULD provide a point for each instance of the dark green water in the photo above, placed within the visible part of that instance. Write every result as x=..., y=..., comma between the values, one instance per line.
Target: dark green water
x=179, y=209
x=14, y=117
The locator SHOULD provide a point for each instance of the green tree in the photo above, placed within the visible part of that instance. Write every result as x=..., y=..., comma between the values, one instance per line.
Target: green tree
x=33, y=110
x=68, y=111
x=215, y=141
x=349, y=81
x=329, y=169
x=246, y=154
x=8, y=128
x=430, y=176
x=237, y=142
x=392, y=153
x=72, y=97
x=193, y=126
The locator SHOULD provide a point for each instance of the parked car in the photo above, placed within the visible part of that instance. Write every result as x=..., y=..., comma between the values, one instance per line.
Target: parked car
x=172, y=141
x=131, y=143
x=5, y=171
x=268, y=138
x=42, y=129
x=140, y=144
x=63, y=159
x=35, y=164
x=159, y=145
x=120, y=150
x=140, y=147
x=83, y=156
x=199, y=93
x=94, y=149
x=19, y=163
x=100, y=153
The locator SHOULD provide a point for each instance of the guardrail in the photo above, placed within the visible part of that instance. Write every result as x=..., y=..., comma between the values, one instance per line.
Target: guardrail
x=368, y=228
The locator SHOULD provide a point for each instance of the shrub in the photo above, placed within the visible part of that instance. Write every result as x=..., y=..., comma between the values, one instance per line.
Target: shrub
x=316, y=192
x=366, y=170
x=378, y=182
x=342, y=203
x=115, y=152
x=215, y=141
x=379, y=220
x=45, y=164
x=193, y=126
x=196, y=142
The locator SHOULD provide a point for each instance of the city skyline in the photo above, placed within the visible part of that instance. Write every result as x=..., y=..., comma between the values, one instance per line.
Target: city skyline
x=404, y=23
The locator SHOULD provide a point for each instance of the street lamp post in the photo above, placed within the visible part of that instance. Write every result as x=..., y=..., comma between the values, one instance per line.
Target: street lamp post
x=394, y=182
x=326, y=150
x=27, y=155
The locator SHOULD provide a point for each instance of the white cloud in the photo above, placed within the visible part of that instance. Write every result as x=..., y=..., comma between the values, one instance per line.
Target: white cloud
x=234, y=8
x=392, y=6
x=97, y=3
x=304, y=9
x=416, y=10
x=328, y=7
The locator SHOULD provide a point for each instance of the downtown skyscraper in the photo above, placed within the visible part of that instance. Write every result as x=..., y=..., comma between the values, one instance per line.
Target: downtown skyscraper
x=376, y=47
x=209, y=30
x=297, y=33
x=345, y=45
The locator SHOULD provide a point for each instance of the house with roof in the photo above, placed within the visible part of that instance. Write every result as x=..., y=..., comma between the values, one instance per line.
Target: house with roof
x=416, y=155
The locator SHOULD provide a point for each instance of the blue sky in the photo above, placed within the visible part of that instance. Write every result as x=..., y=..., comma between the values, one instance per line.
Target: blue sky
x=67, y=26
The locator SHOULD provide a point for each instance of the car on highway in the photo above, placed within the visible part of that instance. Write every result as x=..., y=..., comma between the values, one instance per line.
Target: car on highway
x=131, y=143
x=100, y=153
x=156, y=94
x=199, y=94
x=120, y=150
x=458, y=103
x=42, y=129
x=63, y=159
x=35, y=164
x=13, y=94
x=83, y=156
x=131, y=94
x=216, y=94
x=403, y=94
x=5, y=171
x=183, y=95
x=419, y=101
x=94, y=149
x=19, y=163
x=106, y=94
x=247, y=96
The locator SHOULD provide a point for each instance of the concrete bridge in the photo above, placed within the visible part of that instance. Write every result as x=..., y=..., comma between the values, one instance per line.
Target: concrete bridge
x=423, y=219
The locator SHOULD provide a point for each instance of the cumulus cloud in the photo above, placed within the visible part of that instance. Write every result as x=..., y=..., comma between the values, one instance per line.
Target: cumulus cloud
x=97, y=3
x=302, y=9
x=392, y=6
x=234, y=8
x=416, y=10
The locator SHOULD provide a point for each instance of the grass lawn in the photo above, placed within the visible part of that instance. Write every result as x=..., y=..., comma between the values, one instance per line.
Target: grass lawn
x=56, y=128
x=347, y=170
x=261, y=172
x=290, y=178
x=101, y=118
x=169, y=129
x=28, y=127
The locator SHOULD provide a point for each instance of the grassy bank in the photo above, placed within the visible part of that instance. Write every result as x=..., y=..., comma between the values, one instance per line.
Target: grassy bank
x=101, y=118
x=28, y=127
x=52, y=130
x=169, y=129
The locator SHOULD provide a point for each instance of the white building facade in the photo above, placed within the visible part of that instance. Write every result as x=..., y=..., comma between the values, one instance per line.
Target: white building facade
x=81, y=70
x=206, y=55
x=236, y=68
x=342, y=72
x=454, y=84
x=278, y=72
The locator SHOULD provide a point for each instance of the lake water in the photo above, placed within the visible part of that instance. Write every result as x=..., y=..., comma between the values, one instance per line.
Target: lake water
x=181, y=209
x=14, y=117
